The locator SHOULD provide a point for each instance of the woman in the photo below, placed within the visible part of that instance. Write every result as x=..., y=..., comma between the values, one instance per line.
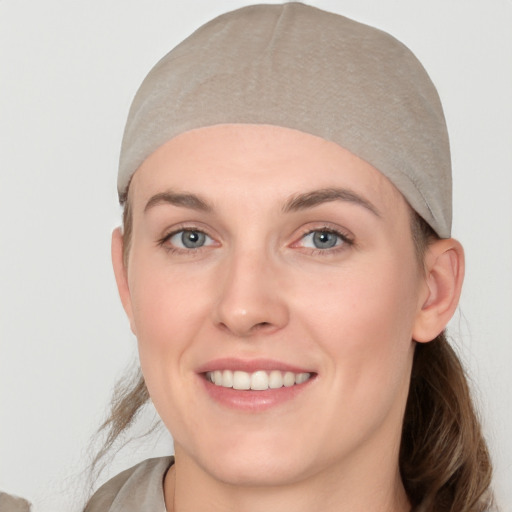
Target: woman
x=287, y=267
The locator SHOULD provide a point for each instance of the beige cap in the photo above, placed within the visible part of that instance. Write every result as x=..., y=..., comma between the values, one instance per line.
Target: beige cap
x=299, y=67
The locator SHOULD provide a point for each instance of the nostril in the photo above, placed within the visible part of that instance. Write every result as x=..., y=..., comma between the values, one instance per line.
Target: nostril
x=261, y=325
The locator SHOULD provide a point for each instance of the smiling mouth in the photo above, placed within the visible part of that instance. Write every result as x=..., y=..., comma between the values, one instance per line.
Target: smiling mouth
x=260, y=380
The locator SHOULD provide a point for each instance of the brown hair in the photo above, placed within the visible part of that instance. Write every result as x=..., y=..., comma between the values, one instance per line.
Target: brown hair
x=444, y=461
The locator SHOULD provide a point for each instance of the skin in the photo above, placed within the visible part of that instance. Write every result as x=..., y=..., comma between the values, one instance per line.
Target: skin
x=259, y=288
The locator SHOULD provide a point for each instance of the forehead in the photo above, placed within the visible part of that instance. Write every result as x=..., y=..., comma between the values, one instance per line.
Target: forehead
x=257, y=161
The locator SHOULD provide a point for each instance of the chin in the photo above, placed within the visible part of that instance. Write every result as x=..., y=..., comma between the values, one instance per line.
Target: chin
x=257, y=470
x=254, y=460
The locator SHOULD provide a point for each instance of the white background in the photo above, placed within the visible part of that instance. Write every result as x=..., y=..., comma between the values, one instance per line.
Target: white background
x=68, y=71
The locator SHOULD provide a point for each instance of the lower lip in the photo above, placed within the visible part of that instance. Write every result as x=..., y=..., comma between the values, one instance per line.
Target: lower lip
x=253, y=401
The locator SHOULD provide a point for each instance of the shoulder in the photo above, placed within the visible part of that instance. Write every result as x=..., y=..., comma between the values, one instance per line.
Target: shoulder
x=139, y=488
x=10, y=503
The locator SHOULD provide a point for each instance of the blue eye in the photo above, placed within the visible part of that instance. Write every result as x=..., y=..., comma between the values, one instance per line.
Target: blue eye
x=190, y=239
x=322, y=239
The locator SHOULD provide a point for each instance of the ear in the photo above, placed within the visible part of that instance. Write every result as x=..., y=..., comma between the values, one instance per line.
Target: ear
x=121, y=275
x=444, y=273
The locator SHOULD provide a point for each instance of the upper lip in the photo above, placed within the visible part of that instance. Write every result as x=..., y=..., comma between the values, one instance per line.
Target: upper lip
x=250, y=365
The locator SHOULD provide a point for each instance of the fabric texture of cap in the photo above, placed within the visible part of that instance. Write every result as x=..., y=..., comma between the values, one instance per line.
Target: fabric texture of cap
x=299, y=67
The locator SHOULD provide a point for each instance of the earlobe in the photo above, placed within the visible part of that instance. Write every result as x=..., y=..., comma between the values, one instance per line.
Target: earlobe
x=444, y=274
x=121, y=274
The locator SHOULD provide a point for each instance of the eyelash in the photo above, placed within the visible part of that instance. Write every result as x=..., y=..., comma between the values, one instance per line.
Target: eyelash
x=163, y=242
x=345, y=238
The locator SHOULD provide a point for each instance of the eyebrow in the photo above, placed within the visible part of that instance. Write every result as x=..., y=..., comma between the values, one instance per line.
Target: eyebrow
x=296, y=203
x=185, y=200
x=326, y=195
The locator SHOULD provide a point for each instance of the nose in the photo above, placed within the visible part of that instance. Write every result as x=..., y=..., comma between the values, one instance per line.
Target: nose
x=251, y=296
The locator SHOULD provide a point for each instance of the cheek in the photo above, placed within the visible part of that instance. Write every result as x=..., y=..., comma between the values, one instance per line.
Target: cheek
x=365, y=326
x=165, y=317
x=166, y=313
x=163, y=302
x=361, y=297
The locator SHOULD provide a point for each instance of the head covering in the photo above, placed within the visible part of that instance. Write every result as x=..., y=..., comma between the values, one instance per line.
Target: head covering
x=299, y=67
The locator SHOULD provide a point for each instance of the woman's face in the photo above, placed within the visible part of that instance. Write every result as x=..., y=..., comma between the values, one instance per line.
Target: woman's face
x=277, y=260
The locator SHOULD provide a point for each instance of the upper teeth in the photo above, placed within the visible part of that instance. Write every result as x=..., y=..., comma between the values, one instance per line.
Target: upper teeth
x=259, y=380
